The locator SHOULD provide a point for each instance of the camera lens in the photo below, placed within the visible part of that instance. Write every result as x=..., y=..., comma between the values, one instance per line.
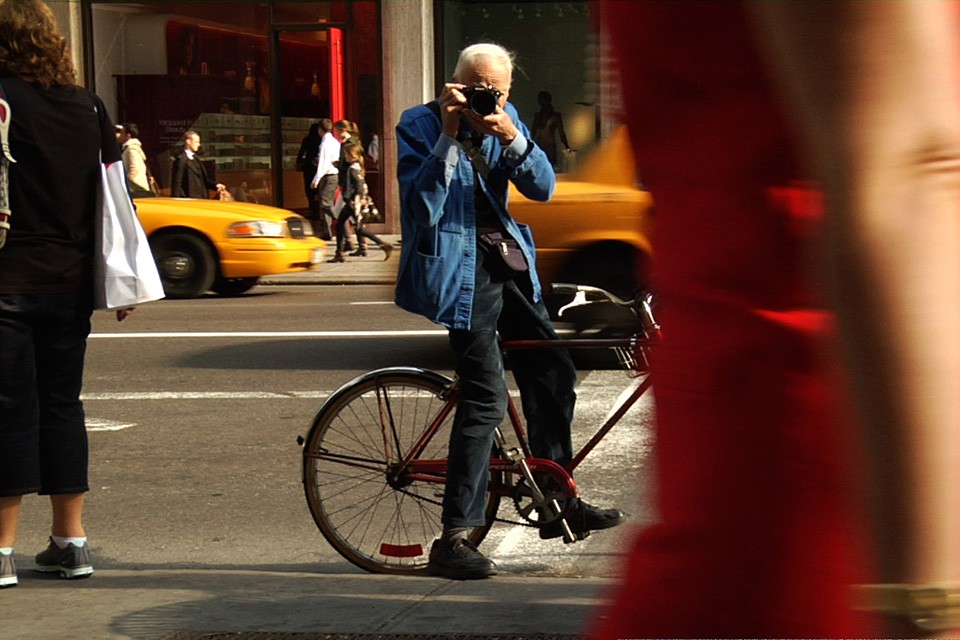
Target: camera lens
x=483, y=102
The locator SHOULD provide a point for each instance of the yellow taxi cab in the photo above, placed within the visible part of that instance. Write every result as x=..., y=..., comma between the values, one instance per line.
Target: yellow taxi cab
x=213, y=245
x=596, y=228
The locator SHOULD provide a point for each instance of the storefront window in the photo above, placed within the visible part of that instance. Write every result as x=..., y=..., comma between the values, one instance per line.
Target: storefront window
x=249, y=77
x=555, y=45
x=307, y=12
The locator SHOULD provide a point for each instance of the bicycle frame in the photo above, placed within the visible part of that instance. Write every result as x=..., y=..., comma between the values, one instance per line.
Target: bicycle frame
x=413, y=468
x=624, y=402
x=374, y=460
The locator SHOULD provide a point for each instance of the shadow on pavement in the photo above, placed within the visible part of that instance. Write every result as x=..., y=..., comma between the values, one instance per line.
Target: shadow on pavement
x=428, y=352
x=193, y=604
x=431, y=352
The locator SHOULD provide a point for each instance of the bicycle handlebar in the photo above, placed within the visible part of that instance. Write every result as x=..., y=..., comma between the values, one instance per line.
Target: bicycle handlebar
x=642, y=304
x=581, y=291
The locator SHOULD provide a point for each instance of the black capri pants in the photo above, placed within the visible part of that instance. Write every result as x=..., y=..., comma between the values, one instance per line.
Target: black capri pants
x=43, y=436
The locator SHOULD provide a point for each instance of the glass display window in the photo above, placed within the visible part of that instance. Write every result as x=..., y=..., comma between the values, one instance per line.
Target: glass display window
x=249, y=77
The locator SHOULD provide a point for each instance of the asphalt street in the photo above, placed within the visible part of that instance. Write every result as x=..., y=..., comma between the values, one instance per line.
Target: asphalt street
x=197, y=516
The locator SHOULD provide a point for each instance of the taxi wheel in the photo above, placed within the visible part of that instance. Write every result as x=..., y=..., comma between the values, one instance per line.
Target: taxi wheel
x=234, y=286
x=186, y=264
x=612, y=266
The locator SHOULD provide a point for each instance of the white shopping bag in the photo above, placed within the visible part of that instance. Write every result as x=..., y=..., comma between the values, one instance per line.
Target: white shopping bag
x=124, y=270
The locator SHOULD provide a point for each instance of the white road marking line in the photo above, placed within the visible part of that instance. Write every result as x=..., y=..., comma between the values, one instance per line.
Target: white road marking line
x=216, y=395
x=596, y=393
x=275, y=334
x=511, y=541
x=98, y=424
x=203, y=395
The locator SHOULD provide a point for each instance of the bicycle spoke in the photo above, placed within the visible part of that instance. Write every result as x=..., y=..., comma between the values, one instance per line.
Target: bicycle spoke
x=388, y=427
x=349, y=426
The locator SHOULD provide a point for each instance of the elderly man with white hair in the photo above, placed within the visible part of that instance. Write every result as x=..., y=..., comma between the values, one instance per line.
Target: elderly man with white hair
x=468, y=265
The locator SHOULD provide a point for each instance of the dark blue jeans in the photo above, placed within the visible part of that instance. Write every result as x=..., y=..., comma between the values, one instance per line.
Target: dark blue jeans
x=43, y=437
x=546, y=379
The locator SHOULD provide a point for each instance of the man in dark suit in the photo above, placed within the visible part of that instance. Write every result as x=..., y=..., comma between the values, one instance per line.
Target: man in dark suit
x=190, y=179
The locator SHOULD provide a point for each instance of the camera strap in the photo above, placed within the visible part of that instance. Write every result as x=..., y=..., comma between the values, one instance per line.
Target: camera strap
x=471, y=144
x=508, y=259
x=472, y=148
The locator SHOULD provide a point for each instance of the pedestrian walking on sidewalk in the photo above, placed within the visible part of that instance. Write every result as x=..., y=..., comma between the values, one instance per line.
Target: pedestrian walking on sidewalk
x=355, y=199
x=308, y=156
x=325, y=178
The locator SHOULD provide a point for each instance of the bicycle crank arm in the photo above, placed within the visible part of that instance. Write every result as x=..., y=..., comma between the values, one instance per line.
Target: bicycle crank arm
x=552, y=504
x=516, y=458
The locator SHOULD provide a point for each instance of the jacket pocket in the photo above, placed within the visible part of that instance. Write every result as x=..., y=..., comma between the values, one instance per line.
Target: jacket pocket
x=428, y=277
x=429, y=284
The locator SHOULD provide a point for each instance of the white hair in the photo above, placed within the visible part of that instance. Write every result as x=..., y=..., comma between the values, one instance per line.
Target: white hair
x=477, y=54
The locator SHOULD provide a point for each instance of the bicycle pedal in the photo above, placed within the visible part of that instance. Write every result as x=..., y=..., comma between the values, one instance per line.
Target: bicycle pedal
x=577, y=537
x=511, y=455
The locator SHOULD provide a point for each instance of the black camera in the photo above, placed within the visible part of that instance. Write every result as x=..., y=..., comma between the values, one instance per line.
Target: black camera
x=482, y=99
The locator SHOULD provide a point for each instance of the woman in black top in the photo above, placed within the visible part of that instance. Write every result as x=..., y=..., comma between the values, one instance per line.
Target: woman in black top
x=57, y=134
x=307, y=158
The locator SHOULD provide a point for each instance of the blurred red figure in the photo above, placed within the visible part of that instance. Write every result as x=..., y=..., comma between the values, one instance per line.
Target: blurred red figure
x=757, y=534
x=762, y=525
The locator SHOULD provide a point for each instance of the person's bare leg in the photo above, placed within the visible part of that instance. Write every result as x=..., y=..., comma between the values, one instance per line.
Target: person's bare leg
x=9, y=520
x=875, y=86
x=68, y=515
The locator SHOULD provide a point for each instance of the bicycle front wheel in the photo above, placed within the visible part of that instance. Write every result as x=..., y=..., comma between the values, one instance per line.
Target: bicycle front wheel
x=377, y=512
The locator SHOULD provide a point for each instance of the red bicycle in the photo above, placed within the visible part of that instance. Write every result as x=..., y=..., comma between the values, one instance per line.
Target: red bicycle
x=374, y=460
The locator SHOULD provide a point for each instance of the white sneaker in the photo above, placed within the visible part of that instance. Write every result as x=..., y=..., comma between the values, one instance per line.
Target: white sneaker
x=8, y=571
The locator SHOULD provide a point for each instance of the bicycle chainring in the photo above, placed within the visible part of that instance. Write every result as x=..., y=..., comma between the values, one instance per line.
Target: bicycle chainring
x=535, y=512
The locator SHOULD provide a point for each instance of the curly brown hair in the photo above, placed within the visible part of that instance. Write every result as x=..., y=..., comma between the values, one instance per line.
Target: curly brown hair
x=31, y=47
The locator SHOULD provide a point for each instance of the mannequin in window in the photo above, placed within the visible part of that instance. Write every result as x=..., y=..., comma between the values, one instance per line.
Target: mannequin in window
x=548, y=126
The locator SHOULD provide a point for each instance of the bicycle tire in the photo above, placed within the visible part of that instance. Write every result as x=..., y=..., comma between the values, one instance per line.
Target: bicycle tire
x=379, y=526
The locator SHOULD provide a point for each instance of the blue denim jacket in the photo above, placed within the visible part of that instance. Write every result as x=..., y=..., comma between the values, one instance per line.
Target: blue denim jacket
x=438, y=216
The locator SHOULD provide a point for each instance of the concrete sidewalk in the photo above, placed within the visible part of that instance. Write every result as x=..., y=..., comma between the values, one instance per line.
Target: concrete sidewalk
x=372, y=269
x=210, y=604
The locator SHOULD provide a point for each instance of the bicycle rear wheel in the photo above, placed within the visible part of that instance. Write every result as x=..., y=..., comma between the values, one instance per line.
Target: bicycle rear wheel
x=375, y=514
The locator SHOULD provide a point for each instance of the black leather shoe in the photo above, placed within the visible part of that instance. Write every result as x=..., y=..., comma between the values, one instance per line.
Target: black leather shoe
x=584, y=517
x=459, y=560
